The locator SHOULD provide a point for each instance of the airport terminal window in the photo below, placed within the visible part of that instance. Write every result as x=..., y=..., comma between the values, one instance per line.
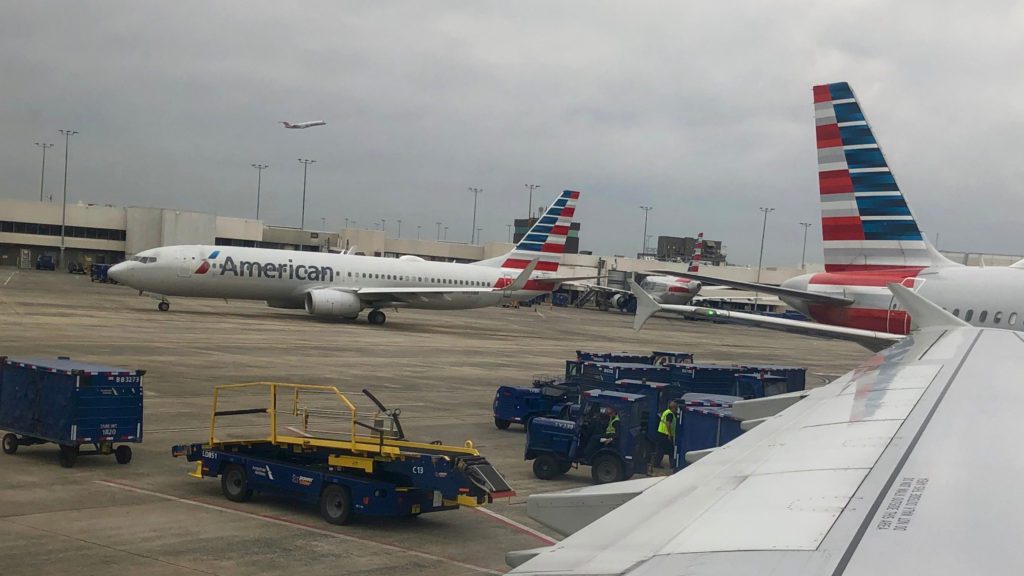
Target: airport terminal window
x=983, y=316
x=969, y=314
x=1012, y=319
x=997, y=317
x=54, y=230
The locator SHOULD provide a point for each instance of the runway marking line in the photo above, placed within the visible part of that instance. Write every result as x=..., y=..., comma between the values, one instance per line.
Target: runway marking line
x=9, y=278
x=520, y=527
x=296, y=524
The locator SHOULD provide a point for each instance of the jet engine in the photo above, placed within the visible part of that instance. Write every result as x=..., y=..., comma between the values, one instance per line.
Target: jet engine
x=333, y=303
x=619, y=300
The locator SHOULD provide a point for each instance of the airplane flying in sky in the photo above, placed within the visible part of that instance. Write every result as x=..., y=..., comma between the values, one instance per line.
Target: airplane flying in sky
x=342, y=285
x=301, y=125
x=871, y=238
x=904, y=465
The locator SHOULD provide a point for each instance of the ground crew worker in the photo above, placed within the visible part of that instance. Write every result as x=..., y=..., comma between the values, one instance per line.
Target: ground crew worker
x=611, y=433
x=667, y=436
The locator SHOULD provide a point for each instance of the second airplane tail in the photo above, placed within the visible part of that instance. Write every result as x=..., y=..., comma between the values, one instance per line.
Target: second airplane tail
x=866, y=223
x=545, y=241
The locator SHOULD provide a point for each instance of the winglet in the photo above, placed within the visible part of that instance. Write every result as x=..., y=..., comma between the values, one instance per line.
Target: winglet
x=645, y=305
x=520, y=282
x=923, y=312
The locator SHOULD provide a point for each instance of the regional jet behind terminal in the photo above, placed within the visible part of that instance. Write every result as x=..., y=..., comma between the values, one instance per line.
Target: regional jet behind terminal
x=342, y=285
x=301, y=125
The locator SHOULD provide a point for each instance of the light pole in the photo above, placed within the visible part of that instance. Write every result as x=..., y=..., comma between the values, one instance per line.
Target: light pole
x=445, y=233
x=803, y=253
x=478, y=231
x=529, y=207
x=259, y=183
x=305, y=166
x=647, y=210
x=418, y=228
x=760, y=258
x=509, y=226
x=399, y=227
x=323, y=223
x=42, y=173
x=383, y=223
x=476, y=192
x=346, y=223
x=64, y=208
x=438, y=231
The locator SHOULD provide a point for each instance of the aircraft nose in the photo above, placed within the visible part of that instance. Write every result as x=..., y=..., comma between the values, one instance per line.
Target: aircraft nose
x=118, y=272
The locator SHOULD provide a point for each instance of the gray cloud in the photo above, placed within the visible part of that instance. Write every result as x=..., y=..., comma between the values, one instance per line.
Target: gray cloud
x=702, y=110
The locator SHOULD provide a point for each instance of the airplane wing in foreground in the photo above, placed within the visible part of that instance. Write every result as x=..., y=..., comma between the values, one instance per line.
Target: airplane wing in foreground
x=647, y=307
x=906, y=465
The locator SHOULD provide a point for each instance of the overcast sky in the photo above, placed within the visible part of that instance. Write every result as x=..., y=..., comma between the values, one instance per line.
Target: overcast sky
x=700, y=109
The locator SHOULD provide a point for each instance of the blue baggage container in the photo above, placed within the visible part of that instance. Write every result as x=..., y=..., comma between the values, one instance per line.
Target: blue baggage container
x=665, y=358
x=706, y=422
x=760, y=385
x=610, y=373
x=796, y=377
x=613, y=357
x=71, y=404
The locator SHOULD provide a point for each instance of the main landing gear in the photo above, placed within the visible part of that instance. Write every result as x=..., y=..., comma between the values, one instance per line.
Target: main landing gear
x=164, y=306
x=376, y=317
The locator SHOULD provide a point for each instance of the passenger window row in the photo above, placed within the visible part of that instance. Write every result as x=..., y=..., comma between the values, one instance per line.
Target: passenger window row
x=421, y=279
x=997, y=317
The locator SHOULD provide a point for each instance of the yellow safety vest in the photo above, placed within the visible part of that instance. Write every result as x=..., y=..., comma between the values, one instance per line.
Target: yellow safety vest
x=610, y=429
x=667, y=424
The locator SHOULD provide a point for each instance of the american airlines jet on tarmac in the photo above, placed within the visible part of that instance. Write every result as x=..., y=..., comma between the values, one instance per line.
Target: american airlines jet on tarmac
x=871, y=239
x=342, y=285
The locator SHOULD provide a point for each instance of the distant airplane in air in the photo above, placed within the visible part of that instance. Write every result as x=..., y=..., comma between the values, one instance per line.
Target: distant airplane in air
x=300, y=125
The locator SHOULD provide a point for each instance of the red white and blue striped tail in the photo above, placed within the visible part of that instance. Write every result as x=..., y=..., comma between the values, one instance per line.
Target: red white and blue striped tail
x=866, y=223
x=545, y=241
x=698, y=248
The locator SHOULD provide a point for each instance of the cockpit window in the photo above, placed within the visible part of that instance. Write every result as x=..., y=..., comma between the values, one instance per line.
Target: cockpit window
x=144, y=259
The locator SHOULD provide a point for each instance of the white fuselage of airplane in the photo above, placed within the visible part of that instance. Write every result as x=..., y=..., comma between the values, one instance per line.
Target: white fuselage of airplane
x=300, y=125
x=986, y=297
x=284, y=278
x=670, y=289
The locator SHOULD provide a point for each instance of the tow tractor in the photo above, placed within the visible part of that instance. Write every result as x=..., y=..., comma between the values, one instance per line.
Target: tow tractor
x=556, y=445
x=320, y=448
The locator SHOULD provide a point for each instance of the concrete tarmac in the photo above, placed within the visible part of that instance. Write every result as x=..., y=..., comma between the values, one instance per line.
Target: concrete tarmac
x=441, y=368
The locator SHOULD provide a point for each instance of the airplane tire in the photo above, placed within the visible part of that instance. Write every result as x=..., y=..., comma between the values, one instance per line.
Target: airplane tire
x=376, y=317
x=164, y=306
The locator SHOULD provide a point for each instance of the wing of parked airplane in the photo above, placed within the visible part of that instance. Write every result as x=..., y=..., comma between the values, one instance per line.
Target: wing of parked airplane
x=905, y=465
x=813, y=297
x=872, y=340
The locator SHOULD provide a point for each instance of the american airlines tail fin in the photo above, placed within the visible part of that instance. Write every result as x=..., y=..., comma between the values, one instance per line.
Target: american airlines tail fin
x=866, y=223
x=286, y=124
x=545, y=241
x=698, y=248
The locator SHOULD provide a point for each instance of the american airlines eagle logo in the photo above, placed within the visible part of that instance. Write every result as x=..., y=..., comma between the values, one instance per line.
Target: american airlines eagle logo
x=204, y=267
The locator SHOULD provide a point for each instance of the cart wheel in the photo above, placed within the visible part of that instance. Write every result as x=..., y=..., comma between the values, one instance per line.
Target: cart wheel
x=336, y=505
x=68, y=456
x=123, y=454
x=545, y=467
x=234, y=484
x=564, y=466
x=607, y=468
x=502, y=424
x=10, y=443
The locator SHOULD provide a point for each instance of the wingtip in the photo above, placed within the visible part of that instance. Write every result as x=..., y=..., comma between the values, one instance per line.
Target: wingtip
x=923, y=312
x=645, y=306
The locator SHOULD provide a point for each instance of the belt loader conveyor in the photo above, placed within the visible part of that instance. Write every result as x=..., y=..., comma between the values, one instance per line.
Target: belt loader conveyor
x=359, y=468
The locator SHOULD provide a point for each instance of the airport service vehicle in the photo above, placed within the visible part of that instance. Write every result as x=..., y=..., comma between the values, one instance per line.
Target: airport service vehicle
x=548, y=398
x=556, y=445
x=46, y=262
x=871, y=238
x=303, y=125
x=343, y=285
x=886, y=470
x=319, y=448
x=71, y=404
x=705, y=423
